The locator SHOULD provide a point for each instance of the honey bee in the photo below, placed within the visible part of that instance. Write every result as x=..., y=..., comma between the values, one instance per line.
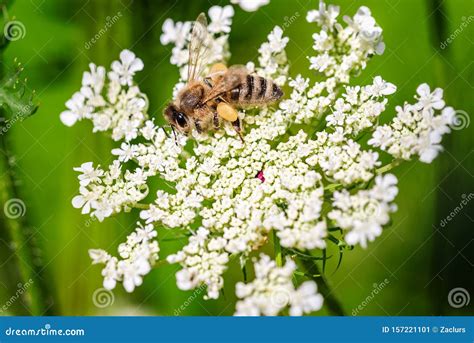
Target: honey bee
x=204, y=103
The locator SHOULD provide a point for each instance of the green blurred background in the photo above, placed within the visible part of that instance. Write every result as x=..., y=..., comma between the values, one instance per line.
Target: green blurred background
x=421, y=260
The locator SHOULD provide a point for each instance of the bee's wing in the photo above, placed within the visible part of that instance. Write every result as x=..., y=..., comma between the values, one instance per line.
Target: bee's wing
x=198, y=47
x=233, y=77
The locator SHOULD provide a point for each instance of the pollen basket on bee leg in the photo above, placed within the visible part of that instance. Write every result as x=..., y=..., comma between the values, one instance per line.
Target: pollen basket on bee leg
x=227, y=112
x=218, y=68
x=217, y=71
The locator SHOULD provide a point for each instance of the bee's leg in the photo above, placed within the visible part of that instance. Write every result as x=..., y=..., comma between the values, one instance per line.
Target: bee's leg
x=237, y=125
x=197, y=125
x=218, y=68
x=216, y=121
x=227, y=111
x=208, y=82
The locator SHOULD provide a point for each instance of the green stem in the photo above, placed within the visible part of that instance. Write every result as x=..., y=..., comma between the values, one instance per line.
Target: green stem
x=141, y=206
x=23, y=239
x=312, y=271
x=387, y=167
x=244, y=272
x=33, y=287
x=277, y=249
x=332, y=186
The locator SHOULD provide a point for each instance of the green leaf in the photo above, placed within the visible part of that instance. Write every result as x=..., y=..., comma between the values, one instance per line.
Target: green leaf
x=341, y=254
x=296, y=272
x=243, y=266
x=15, y=98
x=295, y=252
x=340, y=243
x=324, y=260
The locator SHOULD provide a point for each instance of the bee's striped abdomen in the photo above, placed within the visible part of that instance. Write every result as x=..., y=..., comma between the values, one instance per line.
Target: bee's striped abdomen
x=250, y=88
x=254, y=90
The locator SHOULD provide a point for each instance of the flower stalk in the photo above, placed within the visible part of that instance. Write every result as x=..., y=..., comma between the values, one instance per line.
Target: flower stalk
x=22, y=238
x=388, y=167
x=332, y=303
x=277, y=248
x=16, y=104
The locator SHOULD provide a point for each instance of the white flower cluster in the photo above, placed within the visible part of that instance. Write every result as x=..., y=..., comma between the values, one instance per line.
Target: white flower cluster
x=292, y=175
x=118, y=105
x=308, y=103
x=342, y=50
x=103, y=193
x=417, y=129
x=273, y=291
x=272, y=57
x=204, y=261
x=364, y=213
x=360, y=107
x=138, y=254
x=342, y=159
x=297, y=194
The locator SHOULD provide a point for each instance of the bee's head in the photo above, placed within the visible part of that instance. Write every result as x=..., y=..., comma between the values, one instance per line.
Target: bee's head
x=178, y=119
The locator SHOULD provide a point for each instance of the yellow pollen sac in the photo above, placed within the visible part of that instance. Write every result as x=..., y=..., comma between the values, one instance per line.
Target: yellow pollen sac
x=218, y=68
x=227, y=112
